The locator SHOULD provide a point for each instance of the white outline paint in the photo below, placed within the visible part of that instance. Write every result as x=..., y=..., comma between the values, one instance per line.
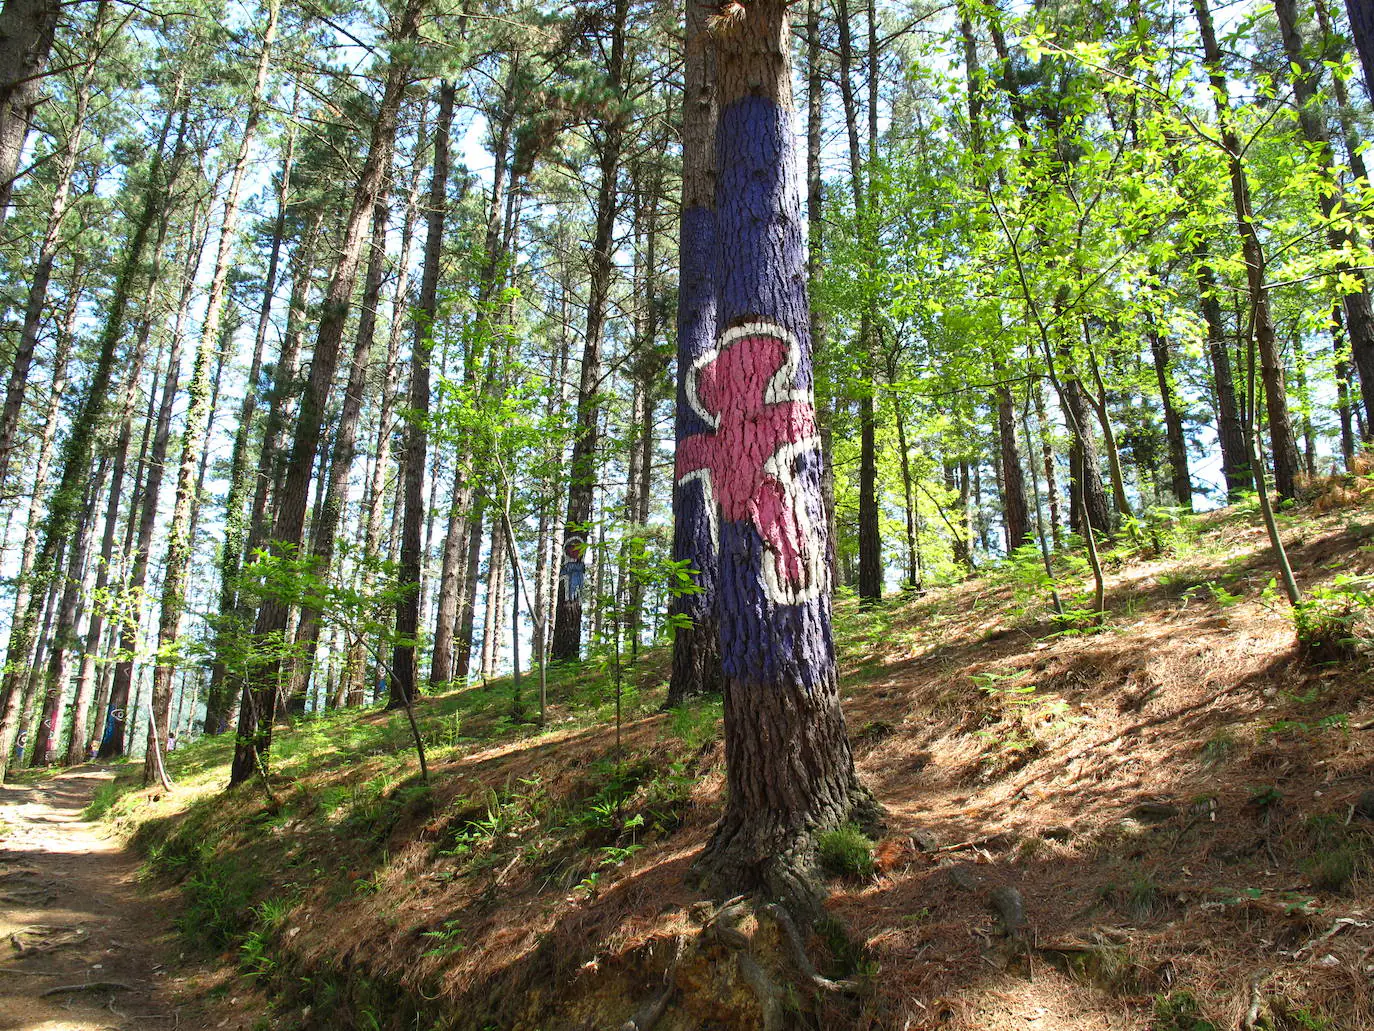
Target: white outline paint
x=780, y=466
x=708, y=498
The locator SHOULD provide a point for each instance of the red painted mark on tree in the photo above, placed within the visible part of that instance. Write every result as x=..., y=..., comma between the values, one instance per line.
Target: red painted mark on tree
x=761, y=424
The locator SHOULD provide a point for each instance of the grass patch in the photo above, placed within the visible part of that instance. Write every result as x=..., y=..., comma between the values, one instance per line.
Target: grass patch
x=846, y=852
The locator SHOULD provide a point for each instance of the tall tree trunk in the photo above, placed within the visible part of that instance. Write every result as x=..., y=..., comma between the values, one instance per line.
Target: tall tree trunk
x=1283, y=444
x=1362, y=26
x=789, y=769
x=87, y=681
x=24, y=583
x=493, y=620
x=335, y=492
x=255, y=718
x=405, y=681
x=180, y=542
x=47, y=251
x=1342, y=373
x=696, y=649
x=27, y=29
x=567, y=631
x=1180, y=482
x=231, y=617
x=1015, y=514
x=1047, y=464
x=131, y=622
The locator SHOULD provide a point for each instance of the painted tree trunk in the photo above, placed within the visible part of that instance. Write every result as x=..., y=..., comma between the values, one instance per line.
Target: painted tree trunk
x=790, y=772
x=696, y=649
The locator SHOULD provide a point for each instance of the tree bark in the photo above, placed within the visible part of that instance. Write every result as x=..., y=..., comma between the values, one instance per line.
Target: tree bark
x=404, y=668
x=696, y=649
x=232, y=618
x=790, y=772
x=47, y=251
x=180, y=541
x=27, y=30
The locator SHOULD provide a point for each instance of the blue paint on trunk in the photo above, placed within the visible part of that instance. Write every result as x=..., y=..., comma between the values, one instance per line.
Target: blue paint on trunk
x=761, y=275
x=692, y=539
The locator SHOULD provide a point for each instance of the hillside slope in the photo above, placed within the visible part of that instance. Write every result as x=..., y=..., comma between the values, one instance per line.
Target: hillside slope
x=1158, y=824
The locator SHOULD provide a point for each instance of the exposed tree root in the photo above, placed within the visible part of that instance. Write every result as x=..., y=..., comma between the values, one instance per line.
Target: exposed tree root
x=720, y=930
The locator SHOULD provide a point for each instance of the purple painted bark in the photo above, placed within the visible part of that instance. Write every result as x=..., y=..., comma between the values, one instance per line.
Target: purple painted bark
x=789, y=767
x=696, y=655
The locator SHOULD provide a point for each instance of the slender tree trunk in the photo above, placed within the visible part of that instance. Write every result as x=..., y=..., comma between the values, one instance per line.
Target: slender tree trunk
x=1235, y=454
x=567, y=632
x=404, y=667
x=24, y=584
x=1362, y=26
x=131, y=623
x=255, y=719
x=231, y=617
x=1342, y=372
x=47, y=251
x=1180, y=482
x=180, y=542
x=64, y=635
x=1359, y=319
x=87, y=682
x=1283, y=444
x=493, y=619
x=335, y=492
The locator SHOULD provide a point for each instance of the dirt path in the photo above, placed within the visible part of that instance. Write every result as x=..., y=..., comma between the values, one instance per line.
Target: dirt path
x=72, y=914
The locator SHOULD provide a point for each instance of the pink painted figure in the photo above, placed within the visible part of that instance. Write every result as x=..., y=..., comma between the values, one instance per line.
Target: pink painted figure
x=746, y=464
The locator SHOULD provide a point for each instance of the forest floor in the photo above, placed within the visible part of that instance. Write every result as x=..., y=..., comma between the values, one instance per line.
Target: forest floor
x=84, y=946
x=1179, y=804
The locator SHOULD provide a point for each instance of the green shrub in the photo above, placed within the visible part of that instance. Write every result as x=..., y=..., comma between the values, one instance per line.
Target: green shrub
x=1329, y=621
x=846, y=852
x=1179, y=1011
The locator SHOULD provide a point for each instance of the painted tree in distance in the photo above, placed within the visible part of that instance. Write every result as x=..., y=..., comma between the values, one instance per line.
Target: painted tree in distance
x=789, y=767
